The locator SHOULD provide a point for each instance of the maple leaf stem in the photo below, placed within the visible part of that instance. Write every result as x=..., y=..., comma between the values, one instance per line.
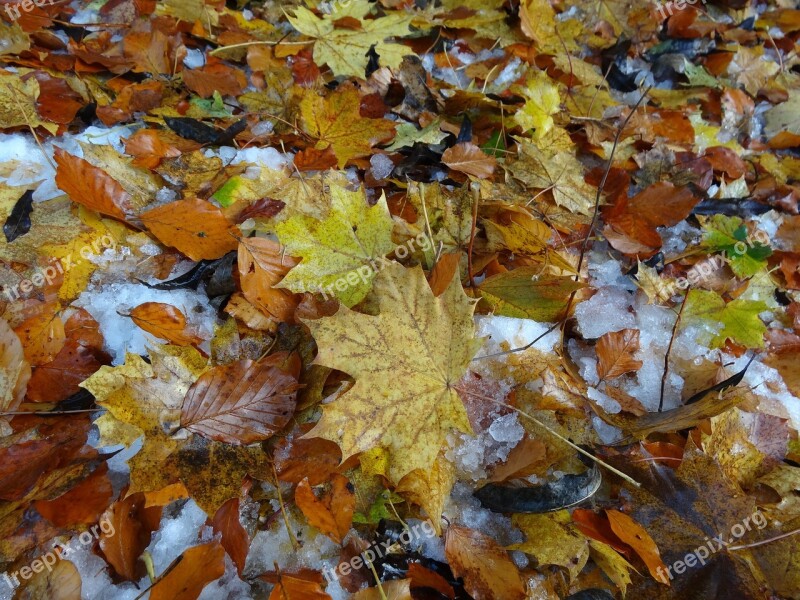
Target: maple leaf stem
x=475, y=201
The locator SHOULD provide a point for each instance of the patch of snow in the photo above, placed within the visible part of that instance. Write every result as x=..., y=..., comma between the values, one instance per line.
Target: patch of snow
x=194, y=58
x=462, y=508
x=608, y=310
x=381, y=166
x=105, y=301
x=263, y=157
x=516, y=332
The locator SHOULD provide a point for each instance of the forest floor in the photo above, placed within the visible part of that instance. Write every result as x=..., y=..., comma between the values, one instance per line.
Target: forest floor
x=436, y=300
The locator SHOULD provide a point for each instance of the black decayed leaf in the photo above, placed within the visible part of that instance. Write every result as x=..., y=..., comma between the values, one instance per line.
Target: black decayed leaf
x=197, y=131
x=19, y=221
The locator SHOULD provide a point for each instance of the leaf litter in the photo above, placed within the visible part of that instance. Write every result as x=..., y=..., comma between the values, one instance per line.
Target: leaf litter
x=283, y=283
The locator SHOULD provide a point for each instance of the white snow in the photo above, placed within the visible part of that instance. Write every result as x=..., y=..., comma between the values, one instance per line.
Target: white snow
x=105, y=302
x=608, y=310
x=382, y=166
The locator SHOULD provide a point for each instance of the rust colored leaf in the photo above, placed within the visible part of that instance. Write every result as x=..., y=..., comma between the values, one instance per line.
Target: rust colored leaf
x=215, y=76
x=81, y=356
x=262, y=264
x=194, y=226
x=468, y=158
x=333, y=513
x=241, y=403
x=92, y=187
x=15, y=372
x=82, y=504
x=151, y=146
x=297, y=458
x=633, y=534
x=164, y=321
x=234, y=537
x=425, y=578
x=197, y=567
x=312, y=159
x=631, y=222
x=487, y=570
x=615, y=352
x=130, y=537
x=291, y=587
x=443, y=272
x=397, y=589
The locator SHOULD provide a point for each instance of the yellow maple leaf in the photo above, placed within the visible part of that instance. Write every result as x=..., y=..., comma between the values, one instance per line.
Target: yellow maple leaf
x=345, y=50
x=406, y=362
x=336, y=122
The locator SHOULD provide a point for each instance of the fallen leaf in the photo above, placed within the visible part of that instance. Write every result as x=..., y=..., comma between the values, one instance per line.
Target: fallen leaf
x=164, y=321
x=615, y=352
x=241, y=403
x=197, y=567
x=467, y=158
x=92, y=187
x=235, y=539
x=633, y=534
x=485, y=566
x=333, y=513
x=406, y=362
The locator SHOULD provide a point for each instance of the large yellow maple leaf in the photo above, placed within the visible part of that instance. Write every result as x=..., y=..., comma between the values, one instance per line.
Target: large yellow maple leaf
x=406, y=362
x=335, y=121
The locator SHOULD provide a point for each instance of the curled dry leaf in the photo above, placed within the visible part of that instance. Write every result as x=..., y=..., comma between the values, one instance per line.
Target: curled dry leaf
x=194, y=226
x=615, y=352
x=467, y=158
x=164, y=321
x=241, y=403
x=197, y=567
x=262, y=264
x=92, y=187
x=333, y=513
x=487, y=570
x=290, y=587
x=130, y=537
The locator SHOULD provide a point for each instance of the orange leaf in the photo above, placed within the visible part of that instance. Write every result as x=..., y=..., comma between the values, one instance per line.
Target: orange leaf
x=164, y=321
x=296, y=588
x=149, y=147
x=396, y=589
x=443, y=272
x=633, y=534
x=92, y=187
x=425, y=578
x=234, y=537
x=42, y=337
x=487, y=570
x=195, y=227
x=62, y=582
x=615, y=352
x=82, y=504
x=297, y=458
x=215, y=76
x=333, y=514
x=241, y=403
x=129, y=539
x=198, y=566
x=468, y=158
x=261, y=266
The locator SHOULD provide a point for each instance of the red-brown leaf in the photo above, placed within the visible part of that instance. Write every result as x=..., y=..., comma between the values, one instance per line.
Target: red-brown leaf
x=615, y=352
x=241, y=403
x=234, y=537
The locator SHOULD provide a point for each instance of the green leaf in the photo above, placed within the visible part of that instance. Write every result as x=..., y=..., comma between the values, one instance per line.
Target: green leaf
x=211, y=107
x=341, y=253
x=729, y=236
x=698, y=76
x=517, y=294
x=737, y=320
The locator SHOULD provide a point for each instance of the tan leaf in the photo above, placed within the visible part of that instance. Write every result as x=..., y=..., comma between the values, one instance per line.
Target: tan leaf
x=487, y=570
x=615, y=352
x=397, y=589
x=60, y=582
x=92, y=187
x=468, y=158
x=333, y=513
x=164, y=321
x=194, y=226
x=241, y=403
